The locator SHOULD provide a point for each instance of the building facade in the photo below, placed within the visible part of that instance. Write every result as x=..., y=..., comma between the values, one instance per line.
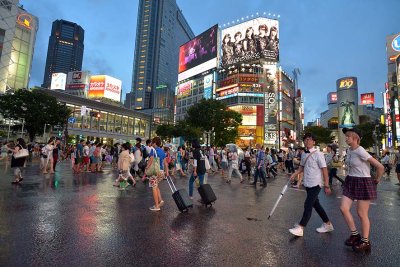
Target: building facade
x=161, y=29
x=94, y=120
x=65, y=50
x=18, y=30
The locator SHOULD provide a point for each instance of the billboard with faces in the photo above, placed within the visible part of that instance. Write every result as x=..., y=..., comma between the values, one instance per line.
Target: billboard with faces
x=250, y=40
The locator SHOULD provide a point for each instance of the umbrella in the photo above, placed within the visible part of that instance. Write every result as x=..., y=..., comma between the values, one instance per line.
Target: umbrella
x=279, y=198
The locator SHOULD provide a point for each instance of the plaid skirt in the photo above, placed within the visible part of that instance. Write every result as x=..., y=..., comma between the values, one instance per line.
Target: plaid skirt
x=360, y=188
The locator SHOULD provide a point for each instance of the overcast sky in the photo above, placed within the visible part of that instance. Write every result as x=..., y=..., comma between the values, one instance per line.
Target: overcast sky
x=325, y=39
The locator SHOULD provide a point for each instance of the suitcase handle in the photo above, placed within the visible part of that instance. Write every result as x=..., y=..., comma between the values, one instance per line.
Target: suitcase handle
x=171, y=184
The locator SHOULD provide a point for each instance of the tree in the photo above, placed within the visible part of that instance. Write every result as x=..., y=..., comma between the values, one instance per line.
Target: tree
x=213, y=116
x=165, y=131
x=35, y=108
x=322, y=135
x=367, y=130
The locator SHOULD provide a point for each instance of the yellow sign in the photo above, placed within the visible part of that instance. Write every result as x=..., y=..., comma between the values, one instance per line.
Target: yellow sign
x=25, y=20
x=346, y=83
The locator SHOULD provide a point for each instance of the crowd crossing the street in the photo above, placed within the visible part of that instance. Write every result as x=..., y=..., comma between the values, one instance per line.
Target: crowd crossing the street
x=151, y=162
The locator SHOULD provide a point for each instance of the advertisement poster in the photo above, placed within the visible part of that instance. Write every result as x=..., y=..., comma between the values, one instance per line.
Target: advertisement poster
x=77, y=80
x=199, y=54
x=105, y=86
x=58, y=81
x=367, y=99
x=250, y=40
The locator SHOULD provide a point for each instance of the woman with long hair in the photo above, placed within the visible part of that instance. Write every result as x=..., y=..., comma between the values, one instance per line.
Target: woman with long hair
x=156, y=152
x=361, y=186
x=17, y=163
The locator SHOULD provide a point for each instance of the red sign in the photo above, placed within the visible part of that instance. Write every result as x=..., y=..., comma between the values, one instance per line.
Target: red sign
x=228, y=92
x=367, y=99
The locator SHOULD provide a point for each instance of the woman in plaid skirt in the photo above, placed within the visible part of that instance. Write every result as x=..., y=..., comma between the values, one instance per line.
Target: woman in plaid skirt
x=360, y=186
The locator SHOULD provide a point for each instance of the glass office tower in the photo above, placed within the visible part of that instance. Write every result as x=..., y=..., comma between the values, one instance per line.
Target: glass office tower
x=161, y=29
x=65, y=51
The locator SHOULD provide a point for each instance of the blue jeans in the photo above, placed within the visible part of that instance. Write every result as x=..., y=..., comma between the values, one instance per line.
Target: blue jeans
x=260, y=172
x=191, y=181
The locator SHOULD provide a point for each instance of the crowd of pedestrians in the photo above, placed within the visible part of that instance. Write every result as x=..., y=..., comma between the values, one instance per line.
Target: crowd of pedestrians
x=152, y=162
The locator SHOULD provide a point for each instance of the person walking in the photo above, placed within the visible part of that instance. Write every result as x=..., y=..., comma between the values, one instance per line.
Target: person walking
x=313, y=166
x=289, y=162
x=199, y=166
x=247, y=162
x=156, y=152
x=233, y=166
x=124, y=165
x=17, y=163
x=360, y=186
x=211, y=159
x=260, y=166
x=56, y=152
x=179, y=159
x=49, y=152
x=224, y=161
x=330, y=158
x=386, y=163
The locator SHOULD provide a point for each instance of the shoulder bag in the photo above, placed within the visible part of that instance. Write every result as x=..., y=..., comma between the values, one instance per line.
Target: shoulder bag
x=22, y=153
x=154, y=168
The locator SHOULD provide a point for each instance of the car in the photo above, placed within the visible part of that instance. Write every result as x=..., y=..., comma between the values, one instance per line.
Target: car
x=234, y=147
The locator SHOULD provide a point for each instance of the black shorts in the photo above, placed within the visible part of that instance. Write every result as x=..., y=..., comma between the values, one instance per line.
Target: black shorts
x=398, y=168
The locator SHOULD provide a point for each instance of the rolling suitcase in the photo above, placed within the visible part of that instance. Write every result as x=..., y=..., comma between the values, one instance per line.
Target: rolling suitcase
x=181, y=197
x=207, y=194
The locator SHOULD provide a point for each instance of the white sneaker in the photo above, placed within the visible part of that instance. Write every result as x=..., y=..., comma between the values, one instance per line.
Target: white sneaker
x=297, y=230
x=325, y=228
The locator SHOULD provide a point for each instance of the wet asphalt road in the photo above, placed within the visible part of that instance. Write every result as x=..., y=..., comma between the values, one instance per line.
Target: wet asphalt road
x=82, y=220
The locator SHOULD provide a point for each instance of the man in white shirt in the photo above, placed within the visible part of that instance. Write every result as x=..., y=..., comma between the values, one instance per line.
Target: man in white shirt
x=313, y=166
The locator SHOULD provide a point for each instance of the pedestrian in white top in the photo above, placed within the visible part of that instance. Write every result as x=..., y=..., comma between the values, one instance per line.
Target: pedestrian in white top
x=313, y=166
x=233, y=166
x=360, y=186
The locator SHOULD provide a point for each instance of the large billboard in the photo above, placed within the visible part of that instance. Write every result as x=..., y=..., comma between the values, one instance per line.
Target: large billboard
x=347, y=97
x=199, y=54
x=58, y=81
x=77, y=80
x=393, y=47
x=367, y=99
x=250, y=40
x=105, y=86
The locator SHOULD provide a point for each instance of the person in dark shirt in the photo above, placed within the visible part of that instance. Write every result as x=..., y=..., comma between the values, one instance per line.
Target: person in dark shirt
x=56, y=152
x=199, y=166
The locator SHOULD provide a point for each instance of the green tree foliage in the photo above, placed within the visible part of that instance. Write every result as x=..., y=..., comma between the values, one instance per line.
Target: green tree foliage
x=213, y=116
x=165, y=131
x=322, y=135
x=367, y=129
x=35, y=108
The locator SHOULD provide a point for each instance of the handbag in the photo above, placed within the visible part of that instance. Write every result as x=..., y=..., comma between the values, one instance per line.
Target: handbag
x=207, y=163
x=154, y=168
x=337, y=164
x=22, y=153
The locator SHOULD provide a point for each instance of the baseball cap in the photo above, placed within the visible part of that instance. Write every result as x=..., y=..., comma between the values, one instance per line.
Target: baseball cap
x=355, y=130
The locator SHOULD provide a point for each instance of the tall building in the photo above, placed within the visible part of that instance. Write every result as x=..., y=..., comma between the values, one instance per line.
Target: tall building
x=65, y=51
x=161, y=29
x=18, y=30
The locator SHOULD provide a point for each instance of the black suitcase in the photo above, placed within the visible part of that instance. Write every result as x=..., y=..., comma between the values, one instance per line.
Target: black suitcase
x=207, y=194
x=181, y=197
